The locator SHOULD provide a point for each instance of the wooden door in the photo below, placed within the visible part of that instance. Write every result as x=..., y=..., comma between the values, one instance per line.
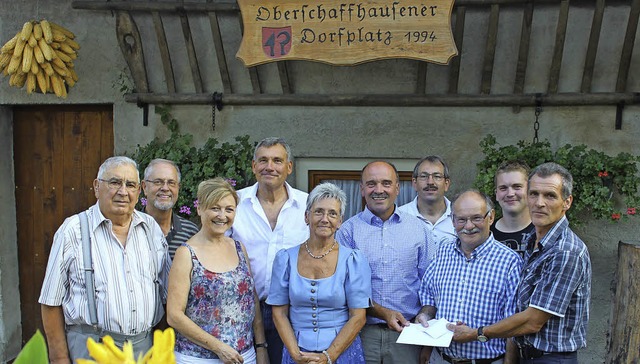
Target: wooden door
x=57, y=152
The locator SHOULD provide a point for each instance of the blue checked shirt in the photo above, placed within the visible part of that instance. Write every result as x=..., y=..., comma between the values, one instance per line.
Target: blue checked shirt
x=556, y=278
x=397, y=250
x=479, y=291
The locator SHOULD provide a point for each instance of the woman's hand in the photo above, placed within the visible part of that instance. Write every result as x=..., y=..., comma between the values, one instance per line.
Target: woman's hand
x=311, y=358
x=228, y=355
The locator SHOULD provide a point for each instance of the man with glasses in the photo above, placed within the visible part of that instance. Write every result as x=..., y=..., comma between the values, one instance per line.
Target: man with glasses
x=431, y=181
x=107, y=270
x=161, y=186
x=511, y=193
x=472, y=280
x=552, y=299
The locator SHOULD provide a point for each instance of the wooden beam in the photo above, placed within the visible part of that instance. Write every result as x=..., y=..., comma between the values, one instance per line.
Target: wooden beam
x=222, y=59
x=561, y=99
x=490, y=50
x=421, y=78
x=592, y=48
x=458, y=36
x=253, y=71
x=285, y=82
x=627, y=46
x=191, y=52
x=165, y=56
x=523, y=52
x=556, y=61
x=131, y=47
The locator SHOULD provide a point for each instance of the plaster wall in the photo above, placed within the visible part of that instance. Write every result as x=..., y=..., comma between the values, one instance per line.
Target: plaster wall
x=326, y=134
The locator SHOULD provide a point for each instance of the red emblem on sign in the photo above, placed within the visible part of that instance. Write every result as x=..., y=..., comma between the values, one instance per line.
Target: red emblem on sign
x=276, y=42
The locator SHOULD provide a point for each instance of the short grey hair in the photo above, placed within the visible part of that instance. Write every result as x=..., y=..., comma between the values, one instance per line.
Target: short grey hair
x=431, y=159
x=549, y=169
x=270, y=142
x=149, y=169
x=116, y=162
x=487, y=199
x=327, y=190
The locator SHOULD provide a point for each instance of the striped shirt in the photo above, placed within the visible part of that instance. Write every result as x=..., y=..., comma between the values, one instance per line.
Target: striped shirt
x=398, y=254
x=479, y=291
x=126, y=295
x=556, y=279
x=181, y=231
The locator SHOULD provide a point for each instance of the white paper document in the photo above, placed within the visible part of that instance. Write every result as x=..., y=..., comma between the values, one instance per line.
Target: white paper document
x=436, y=334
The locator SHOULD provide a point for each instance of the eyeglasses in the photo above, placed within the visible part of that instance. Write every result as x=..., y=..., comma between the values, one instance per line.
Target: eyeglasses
x=319, y=213
x=475, y=220
x=161, y=182
x=436, y=176
x=116, y=184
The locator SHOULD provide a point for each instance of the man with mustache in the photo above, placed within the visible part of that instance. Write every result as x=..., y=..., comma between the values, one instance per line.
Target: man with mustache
x=269, y=217
x=552, y=299
x=511, y=193
x=473, y=280
x=161, y=186
x=107, y=270
x=431, y=181
x=397, y=246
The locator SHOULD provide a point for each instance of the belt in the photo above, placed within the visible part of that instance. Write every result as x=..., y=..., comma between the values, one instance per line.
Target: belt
x=117, y=337
x=449, y=359
x=530, y=352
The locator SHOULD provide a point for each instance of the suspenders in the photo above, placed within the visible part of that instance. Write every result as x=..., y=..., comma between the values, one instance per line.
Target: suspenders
x=88, y=269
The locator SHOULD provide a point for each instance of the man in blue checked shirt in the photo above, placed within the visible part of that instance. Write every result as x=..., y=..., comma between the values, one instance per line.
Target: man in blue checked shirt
x=397, y=246
x=553, y=295
x=472, y=280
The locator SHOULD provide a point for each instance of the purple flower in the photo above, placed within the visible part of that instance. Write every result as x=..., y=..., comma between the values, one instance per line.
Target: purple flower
x=143, y=201
x=195, y=203
x=185, y=210
x=231, y=181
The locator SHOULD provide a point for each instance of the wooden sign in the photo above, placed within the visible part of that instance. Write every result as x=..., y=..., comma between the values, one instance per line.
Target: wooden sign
x=346, y=33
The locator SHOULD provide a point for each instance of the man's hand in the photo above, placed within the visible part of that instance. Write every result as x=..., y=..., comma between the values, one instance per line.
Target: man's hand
x=462, y=333
x=395, y=320
x=422, y=319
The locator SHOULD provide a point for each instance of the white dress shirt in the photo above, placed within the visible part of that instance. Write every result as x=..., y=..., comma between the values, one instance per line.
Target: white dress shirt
x=125, y=290
x=251, y=227
x=442, y=230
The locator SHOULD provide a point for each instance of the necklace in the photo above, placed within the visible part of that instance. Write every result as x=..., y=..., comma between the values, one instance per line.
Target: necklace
x=306, y=246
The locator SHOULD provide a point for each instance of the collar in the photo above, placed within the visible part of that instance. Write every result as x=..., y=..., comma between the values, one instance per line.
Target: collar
x=367, y=216
x=96, y=217
x=252, y=194
x=479, y=252
x=551, y=237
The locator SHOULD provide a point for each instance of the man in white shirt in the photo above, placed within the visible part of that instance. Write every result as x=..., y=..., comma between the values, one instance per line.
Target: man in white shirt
x=431, y=181
x=270, y=217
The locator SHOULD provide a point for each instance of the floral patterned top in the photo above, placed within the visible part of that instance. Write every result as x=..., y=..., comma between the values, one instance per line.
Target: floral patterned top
x=222, y=304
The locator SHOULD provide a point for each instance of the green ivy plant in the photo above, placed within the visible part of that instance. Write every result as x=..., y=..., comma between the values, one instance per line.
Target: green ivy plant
x=598, y=177
x=231, y=161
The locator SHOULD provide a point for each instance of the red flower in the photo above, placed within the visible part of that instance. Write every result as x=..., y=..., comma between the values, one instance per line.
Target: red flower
x=631, y=211
x=603, y=174
x=615, y=216
x=243, y=287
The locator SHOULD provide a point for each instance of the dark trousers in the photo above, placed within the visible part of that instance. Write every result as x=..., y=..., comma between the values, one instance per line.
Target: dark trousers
x=273, y=339
x=553, y=358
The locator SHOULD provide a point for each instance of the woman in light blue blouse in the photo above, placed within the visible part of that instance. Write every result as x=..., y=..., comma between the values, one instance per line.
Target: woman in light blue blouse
x=320, y=289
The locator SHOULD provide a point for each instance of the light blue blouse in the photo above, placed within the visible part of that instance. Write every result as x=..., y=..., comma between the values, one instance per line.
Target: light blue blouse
x=319, y=308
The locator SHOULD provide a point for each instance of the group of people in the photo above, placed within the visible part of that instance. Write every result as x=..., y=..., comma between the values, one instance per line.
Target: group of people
x=274, y=275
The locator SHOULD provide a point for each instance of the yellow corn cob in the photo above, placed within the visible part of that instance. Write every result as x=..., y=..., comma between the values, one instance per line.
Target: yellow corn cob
x=66, y=49
x=21, y=78
x=27, y=58
x=72, y=55
x=62, y=56
x=72, y=43
x=5, y=71
x=14, y=64
x=47, y=79
x=69, y=64
x=17, y=51
x=67, y=33
x=27, y=29
x=11, y=44
x=46, y=66
x=59, y=63
x=46, y=31
x=5, y=59
x=31, y=82
x=37, y=31
x=60, y=71
x=69, y=80
x=57, y=35
x=41, y=77
x=37, y=53
x=46, y=50
x=32, y=41
x=54, y=45
x=35, y=68
x=73, y=74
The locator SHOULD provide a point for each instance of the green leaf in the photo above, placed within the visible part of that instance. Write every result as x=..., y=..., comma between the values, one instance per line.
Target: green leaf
x=34, y=352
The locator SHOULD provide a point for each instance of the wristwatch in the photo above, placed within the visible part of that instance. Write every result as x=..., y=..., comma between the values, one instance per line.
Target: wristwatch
x=481, y=337
x=261, y=345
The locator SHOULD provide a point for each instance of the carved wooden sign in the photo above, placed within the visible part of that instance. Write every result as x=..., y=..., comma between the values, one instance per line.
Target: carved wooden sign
x=343, y=32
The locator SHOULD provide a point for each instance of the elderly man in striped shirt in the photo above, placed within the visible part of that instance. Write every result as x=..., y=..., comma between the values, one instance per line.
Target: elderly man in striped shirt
x=472, y=280
x=107, y=270
x=397, y=245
